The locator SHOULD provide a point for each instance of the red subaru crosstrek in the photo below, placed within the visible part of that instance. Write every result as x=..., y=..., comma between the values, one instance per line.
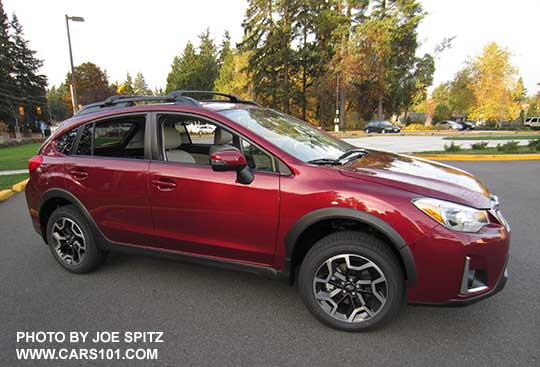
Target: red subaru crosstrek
x=360, y=231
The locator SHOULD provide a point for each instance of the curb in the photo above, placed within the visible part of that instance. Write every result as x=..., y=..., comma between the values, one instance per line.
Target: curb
x=480, y=157
x=18, y=187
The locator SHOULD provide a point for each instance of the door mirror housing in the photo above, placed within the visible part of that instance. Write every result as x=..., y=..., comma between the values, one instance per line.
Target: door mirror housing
x=232, y=159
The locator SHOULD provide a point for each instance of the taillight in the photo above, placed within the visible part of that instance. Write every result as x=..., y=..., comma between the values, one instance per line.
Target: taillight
x=34, y=163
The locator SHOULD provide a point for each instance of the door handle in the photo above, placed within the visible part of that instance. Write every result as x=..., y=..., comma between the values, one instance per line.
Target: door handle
x=164, y=185
x=78, y=174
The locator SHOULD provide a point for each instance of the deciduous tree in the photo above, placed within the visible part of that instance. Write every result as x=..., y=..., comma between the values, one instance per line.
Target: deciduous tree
x=494, y=86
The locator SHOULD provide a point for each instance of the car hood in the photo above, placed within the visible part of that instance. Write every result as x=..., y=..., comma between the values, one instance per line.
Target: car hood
x=420, y=176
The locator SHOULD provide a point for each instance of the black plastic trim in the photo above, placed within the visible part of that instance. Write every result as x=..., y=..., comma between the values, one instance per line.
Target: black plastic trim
x=347, y=213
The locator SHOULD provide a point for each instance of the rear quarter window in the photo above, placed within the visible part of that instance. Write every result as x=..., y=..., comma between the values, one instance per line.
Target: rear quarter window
x=64, y=143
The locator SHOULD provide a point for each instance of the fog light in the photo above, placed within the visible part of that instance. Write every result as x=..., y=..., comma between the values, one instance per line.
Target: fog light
x=473, y=280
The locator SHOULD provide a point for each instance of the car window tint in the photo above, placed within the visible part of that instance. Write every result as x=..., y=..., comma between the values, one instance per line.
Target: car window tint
x=185, y=139
x=64, y=144
x=111, y=133
x=116, y=138
x=120, y=138
x=84, y=147
x=256, y=158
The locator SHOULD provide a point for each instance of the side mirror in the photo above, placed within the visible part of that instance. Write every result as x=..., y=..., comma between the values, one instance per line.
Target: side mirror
x=231, y=159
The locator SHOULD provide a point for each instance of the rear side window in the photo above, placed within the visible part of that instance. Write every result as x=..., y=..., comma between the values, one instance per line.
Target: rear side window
x=64, y=144
x=116, y=138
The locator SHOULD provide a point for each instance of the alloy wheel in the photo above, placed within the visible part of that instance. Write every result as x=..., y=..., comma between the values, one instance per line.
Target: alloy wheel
x=70, y=244
x=350, y=288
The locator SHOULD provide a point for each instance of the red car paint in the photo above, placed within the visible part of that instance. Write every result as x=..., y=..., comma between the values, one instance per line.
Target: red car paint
x=193, y=209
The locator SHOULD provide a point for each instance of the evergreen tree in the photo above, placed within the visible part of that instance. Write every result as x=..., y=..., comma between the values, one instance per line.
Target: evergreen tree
x=207, y=68
x=140, y=88
x=225, y=48
x=126, y=88
x=6, y=69
x=183, y=69
x=195, y=70
x=21, y=85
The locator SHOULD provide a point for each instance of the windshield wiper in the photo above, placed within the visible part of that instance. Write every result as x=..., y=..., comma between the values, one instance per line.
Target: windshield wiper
x=352, y=152
x=344, y=158
x=323, y=161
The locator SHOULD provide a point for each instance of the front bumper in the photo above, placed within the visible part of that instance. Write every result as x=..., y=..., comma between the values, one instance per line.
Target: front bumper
x=457, y=269
x=469, y=301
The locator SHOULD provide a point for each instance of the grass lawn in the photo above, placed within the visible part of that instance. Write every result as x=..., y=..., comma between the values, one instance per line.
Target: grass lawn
x=6, y=181
x=17, y=157
x=521, y=150
x=494, y=137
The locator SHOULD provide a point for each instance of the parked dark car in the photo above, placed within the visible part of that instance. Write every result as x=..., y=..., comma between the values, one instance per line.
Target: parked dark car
x=468, y=125
x=381, y=127
x=360, y=231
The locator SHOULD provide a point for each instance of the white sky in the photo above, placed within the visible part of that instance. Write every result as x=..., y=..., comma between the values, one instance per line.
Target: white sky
x=130, y=36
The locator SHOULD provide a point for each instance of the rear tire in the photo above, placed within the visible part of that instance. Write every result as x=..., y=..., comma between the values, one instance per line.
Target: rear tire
x=352, y=281
x=71, y=241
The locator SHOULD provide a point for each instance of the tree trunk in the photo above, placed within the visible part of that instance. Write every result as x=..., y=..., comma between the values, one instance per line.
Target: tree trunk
x=286, y=96
x=342, y=100
x=379, y=110
x=405, y=115
x=304, y=77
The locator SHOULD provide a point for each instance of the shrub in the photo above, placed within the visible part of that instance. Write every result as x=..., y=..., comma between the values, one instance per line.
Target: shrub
x=452, y=147
x=419, y=127
x=534, y=144
x=479, y=146
x=509, y=147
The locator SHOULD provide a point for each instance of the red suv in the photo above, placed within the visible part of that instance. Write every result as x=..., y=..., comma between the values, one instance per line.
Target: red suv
x=360, y=231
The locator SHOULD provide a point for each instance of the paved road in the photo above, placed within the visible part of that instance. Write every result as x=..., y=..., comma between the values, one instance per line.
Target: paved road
x=407, y=144
x=218, y=318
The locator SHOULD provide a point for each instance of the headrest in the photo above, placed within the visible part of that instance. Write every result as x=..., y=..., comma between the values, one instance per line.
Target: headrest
x=171, y=137
x=222, y=137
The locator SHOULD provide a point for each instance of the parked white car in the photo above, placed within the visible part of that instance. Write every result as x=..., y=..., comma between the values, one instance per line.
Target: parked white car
x=449, y=125
x=533, y=122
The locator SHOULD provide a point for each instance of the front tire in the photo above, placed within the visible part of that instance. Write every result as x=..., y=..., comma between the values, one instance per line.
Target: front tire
x=71, y=242
x=352, y=281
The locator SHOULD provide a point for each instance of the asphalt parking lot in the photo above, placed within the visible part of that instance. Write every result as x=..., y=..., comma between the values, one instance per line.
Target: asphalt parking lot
x=219, y=318
x=417, y=143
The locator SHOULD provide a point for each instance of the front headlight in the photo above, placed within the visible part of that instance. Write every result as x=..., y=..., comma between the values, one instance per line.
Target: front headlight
x=454, y=216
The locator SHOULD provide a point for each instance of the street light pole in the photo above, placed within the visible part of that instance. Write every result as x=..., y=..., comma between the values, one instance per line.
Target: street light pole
x=74, y=98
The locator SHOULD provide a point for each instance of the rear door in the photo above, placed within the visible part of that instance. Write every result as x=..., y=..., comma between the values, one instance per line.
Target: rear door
x=200, y=211
x=108, y=173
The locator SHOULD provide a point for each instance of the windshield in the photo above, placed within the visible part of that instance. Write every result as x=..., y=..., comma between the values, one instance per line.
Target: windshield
x=293, y=136
x=385, y=124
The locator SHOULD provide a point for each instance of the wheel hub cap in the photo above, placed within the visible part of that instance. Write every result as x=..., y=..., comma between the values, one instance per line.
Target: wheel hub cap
x=69, y=241
x=350, y=288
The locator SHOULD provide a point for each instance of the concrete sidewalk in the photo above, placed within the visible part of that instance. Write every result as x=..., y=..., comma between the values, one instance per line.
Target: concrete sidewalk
x=13, y=172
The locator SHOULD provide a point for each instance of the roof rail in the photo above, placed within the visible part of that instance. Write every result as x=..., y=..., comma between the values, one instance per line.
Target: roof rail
x=127, y=101
x=181, y=93
x=178, y=96
x=232, y=98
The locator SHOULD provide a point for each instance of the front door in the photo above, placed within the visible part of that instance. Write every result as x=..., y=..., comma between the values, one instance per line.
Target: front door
x=199, y=211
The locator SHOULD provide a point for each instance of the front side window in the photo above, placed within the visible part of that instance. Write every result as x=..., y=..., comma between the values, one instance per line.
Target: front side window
x=256, y=158
x=116, y=138
x=291, y=135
